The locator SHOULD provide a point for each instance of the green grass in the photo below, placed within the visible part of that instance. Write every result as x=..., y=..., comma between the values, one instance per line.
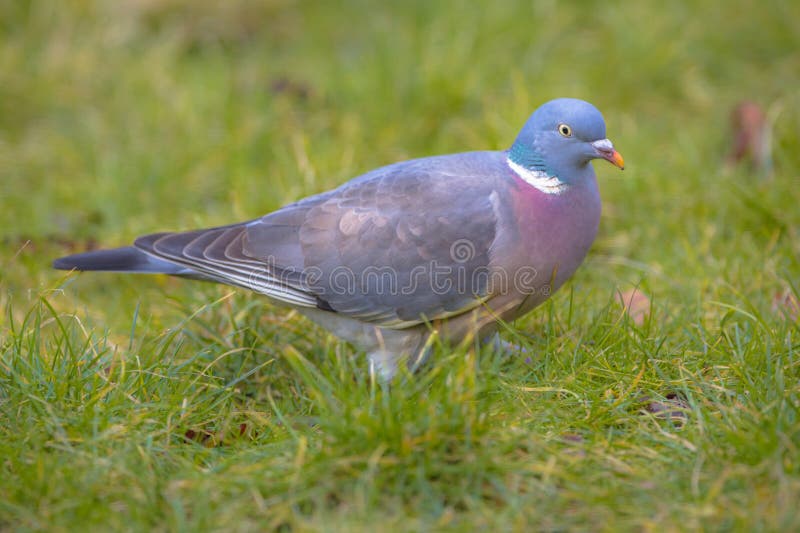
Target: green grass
x=141, y=403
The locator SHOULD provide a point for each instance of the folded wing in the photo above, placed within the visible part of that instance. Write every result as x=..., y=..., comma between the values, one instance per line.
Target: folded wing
x=403, y=244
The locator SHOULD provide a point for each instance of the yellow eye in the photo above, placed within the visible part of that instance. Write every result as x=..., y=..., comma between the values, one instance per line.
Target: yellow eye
x=565, y=130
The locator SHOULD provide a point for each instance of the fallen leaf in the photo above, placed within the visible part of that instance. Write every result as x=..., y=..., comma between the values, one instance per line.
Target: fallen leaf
x=785, y=303
x=201, y=436
x=672, y=407
x=635, y=303
x=751, y=142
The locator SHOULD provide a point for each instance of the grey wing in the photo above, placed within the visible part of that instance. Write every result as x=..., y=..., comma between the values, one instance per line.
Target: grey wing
x=398, y=246
x=219, y=254
x=408, y=245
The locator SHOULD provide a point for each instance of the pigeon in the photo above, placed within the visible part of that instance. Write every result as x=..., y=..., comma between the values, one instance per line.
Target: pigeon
x=443, y=246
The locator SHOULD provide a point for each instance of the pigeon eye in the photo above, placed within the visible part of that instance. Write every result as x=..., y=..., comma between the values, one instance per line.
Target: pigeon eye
x=565, y=130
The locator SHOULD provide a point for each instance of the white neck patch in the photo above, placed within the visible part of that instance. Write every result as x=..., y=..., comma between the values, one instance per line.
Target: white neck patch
x=541, y=180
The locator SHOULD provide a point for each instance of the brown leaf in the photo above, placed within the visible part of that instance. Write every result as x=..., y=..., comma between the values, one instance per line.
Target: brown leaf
x=750, y=141
x=672, y=407
x=635, y=303
x=200, y=436
x=785, y=303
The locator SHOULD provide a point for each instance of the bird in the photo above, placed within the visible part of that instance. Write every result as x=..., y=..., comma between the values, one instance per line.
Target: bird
x=438, y=247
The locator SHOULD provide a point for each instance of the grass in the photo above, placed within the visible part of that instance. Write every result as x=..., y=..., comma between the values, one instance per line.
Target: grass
x=156, y=404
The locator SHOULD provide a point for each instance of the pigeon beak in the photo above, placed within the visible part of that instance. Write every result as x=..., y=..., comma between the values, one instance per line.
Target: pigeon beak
x=605, y=150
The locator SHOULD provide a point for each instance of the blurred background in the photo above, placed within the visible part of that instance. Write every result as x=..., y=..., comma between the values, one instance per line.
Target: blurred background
x=125, y=117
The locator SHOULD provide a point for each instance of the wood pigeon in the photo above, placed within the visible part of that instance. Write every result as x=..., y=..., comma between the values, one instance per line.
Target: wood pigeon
x=442, y=245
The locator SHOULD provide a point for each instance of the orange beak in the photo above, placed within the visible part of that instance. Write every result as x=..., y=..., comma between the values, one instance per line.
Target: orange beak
x=605, y=150
x=616, y=159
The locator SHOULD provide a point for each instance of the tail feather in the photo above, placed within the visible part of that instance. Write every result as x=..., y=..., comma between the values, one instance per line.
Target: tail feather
x=126, y=259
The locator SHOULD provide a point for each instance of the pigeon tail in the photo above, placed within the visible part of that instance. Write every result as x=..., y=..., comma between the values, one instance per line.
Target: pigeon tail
x=126, y=259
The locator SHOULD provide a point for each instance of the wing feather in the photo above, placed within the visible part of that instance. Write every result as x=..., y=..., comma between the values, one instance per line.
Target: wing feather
x=204, y=251
x=395, y=247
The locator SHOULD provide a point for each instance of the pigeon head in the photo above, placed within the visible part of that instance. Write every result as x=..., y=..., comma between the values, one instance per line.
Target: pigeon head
x=560, y=139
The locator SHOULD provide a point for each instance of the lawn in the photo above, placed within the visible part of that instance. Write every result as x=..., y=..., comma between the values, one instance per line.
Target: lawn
x=150, y=403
